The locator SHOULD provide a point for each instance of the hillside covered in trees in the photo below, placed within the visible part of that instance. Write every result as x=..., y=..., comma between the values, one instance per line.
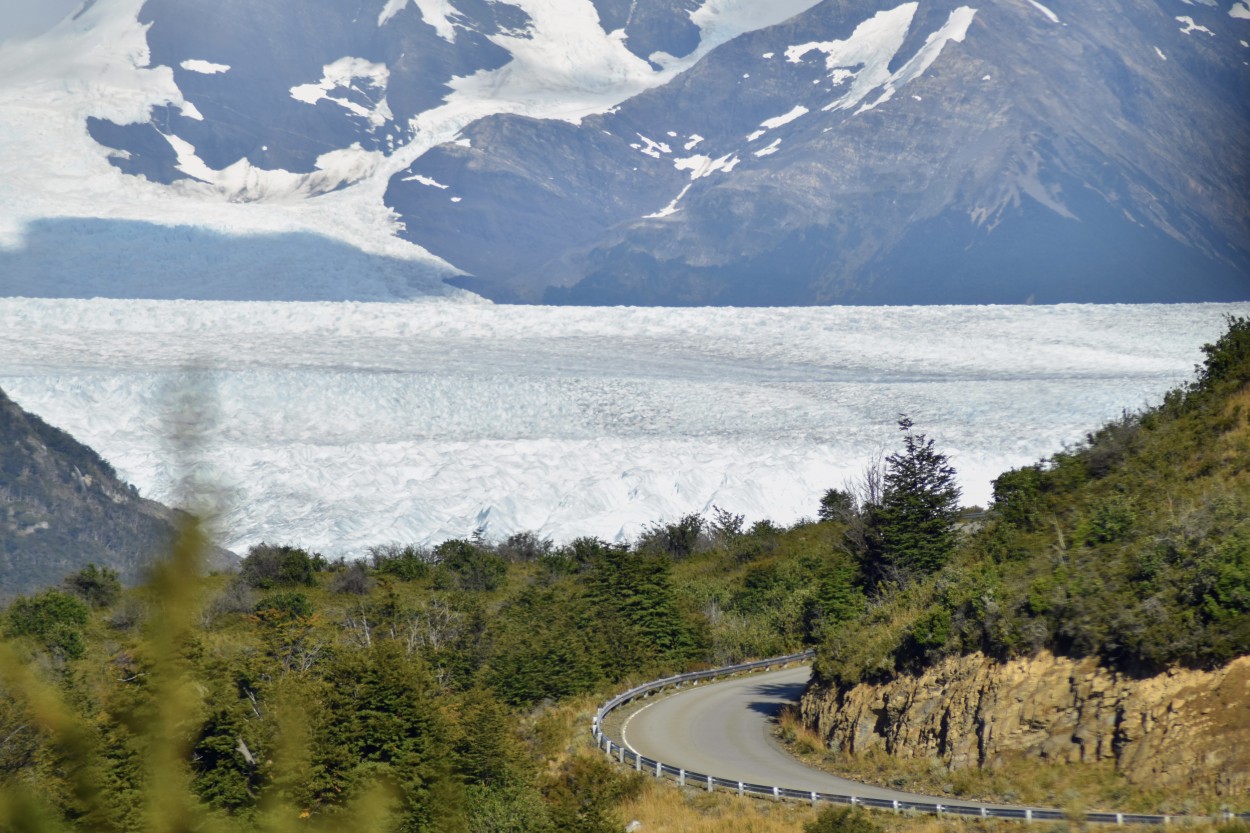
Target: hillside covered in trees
x=447, y=689
x=1132, y=546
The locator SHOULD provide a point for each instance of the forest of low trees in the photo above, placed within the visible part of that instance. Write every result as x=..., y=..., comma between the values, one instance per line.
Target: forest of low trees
x=447, y=689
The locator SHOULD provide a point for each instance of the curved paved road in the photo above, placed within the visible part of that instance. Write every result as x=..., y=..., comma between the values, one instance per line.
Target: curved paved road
x=725, y=729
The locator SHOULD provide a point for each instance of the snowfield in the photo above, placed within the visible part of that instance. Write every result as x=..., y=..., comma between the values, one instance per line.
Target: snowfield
x=341, y=425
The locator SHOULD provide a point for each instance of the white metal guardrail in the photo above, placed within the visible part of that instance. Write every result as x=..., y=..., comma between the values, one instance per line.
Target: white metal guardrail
x=628, y=758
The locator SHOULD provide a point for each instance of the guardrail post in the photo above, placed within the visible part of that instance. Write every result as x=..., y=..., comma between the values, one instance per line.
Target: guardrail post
x=681, y=778
x=985, y=812
x=742, y=788
x=658, y=771
x=709, y=783
x=896, y=809
x=609, y=750
x=1167, y=819
x=854, y=801
x=813, y=798
x=621, y=749
x=1119, y=819
x=937, y=807
x=1028, y=816
x=637, y=762
x=776, y=793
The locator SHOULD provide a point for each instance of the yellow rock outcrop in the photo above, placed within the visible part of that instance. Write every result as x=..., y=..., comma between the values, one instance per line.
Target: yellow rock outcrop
x=1178, y=729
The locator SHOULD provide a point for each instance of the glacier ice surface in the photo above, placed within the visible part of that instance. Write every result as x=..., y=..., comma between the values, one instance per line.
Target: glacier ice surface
x=341, y=425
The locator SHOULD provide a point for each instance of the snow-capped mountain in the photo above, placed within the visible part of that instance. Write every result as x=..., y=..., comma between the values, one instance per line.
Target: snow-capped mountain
x=633, y=151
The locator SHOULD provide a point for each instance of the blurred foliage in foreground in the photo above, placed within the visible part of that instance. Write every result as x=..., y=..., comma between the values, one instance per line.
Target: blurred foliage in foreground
x=442, y=689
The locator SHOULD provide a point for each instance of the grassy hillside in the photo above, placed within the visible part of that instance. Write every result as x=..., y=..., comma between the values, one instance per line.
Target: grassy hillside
x=1133, y=546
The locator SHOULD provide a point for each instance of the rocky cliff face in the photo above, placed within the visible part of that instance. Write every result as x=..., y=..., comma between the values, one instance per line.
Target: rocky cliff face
x=62, y=506
x=1174, y=730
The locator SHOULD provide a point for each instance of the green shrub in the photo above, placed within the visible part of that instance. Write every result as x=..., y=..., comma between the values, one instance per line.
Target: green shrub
x=475, y=568
x=98, y=586
x=266, y=566
x=288, y=605
x=1228, y=359
x=54, y=618
x=405, y=563
x=842, y=820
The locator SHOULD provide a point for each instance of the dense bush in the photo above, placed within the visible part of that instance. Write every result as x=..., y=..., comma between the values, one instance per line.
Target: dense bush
x=287, y=605
x=98, y=586
x=52, y=617
x=475, y=567
x=406, y=563
x=266, y=566
x=842, y=820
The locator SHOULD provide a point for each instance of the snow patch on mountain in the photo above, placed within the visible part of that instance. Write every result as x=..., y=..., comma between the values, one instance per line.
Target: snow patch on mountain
x=798, y=112
x=670, y=209
x=955, y=29
x=1191, y=27
x=1050, y=15
x=770, y=150
x=344, y=74
x=650, y=147
x=867, y=54
x=437, y=13
x=721, y=21
x=425, y=180
x=203, y=67
x=701, y=166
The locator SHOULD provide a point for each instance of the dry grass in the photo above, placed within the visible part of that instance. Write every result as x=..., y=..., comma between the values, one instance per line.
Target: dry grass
x=662, y=807
x=556, y=732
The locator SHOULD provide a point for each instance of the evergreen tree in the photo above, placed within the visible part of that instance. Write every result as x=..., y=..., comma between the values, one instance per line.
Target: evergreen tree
x=381, y=721
x=98, y=586
x=912, y=530
x=633, y=594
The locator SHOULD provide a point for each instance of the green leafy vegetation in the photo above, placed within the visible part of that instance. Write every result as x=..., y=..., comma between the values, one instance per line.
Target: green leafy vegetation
x=842, y=820
x=417, y=683
x=1132, y=546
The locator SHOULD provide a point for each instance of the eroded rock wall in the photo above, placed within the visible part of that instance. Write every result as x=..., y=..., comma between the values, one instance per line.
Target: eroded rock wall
x=1173, y=730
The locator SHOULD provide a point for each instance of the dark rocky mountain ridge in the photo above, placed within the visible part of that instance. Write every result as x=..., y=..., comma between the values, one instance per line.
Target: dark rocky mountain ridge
x=62, y=506
x=926, y=152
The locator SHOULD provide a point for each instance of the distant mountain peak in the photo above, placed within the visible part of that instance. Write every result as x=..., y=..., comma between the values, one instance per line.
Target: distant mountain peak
x=692, y=151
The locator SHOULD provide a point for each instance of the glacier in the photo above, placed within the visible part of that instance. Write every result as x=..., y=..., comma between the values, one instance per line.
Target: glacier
x=337, y=426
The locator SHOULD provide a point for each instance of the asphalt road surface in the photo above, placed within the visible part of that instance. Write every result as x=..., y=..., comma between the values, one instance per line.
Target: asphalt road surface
x=726, y=729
